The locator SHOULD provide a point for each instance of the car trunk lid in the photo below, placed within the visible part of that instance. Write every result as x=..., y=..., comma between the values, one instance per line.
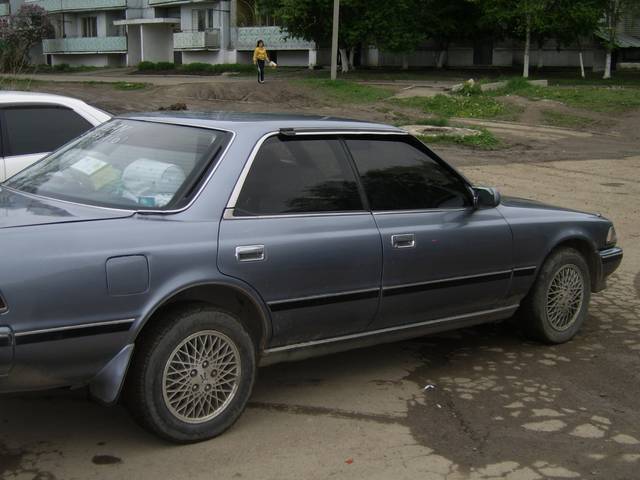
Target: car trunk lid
x=18, y=209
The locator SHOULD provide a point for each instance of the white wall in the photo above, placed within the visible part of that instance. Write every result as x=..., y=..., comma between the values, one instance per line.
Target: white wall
x=134, y=51
x=157, y=43
x=293, y=58
x=102, y=60
x=205, y=57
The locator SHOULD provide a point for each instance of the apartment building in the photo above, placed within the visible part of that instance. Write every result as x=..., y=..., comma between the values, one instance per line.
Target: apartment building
x=126, y=32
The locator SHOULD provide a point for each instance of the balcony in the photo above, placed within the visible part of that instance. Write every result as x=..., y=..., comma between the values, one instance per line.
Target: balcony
x=78, y=5
x=209, y=40
x=85, y=45
x=274, y=39
x=5, y=9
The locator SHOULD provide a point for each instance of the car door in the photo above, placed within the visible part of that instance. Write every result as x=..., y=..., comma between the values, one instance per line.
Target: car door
x=31, y=131
x=441, y=257
x=296, y=229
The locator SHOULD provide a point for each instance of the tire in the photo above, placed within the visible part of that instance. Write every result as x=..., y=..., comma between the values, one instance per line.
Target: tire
x=547, y=314
x=206, y=397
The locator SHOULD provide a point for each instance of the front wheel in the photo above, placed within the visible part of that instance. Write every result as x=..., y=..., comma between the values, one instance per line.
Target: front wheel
x=558, y=303
x=192, y=374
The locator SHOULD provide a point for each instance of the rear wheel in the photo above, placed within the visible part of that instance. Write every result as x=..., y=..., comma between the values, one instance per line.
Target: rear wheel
x=192, y=374
x=558, y=303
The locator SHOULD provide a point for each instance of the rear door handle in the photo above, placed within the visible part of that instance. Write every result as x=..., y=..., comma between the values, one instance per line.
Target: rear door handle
x=250, y=253
x=403, y=240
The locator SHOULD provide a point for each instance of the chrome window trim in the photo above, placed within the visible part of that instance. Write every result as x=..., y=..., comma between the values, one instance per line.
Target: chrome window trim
x=73, y=327
x=355, y=336
x=142, y=211
x=422, y=210
x=228, y=215
x=231, y=204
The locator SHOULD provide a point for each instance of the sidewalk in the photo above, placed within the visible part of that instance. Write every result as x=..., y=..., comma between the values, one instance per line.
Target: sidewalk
x=117, y=75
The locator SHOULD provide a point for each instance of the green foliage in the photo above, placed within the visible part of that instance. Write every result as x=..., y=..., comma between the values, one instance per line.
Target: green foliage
x=129, y=85
x=447, y=106
x=146, y=66
x=348, y=92
x=484, y=141
x=595, y=98
x=19, y=33
x=195, y=68
x=165, y=66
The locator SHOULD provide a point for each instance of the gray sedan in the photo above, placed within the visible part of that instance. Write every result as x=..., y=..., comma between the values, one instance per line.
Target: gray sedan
x=161, y=259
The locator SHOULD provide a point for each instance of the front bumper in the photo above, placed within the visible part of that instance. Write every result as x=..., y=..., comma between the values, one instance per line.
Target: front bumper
x=610, y=260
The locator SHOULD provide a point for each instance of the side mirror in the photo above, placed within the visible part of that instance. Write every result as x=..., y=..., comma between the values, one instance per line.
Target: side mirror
x=485, y=197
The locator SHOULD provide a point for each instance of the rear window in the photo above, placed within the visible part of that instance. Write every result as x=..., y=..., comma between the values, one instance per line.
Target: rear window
x=126, y=164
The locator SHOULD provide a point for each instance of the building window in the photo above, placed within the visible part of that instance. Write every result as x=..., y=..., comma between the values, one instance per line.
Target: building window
x=203, y=19
x=90, y=26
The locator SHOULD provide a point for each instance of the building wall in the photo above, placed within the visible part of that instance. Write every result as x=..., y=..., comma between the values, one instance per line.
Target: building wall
x=92, y=60
x=157, y=43
x=134, y=48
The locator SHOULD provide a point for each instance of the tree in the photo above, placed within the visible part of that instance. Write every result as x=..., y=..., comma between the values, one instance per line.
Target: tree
x=573, y=21
x=394, y=26
x=397, y=26
x=447, y=20
x=521, y=18
x=20, y=33
x=312, y=21
x=614, y=12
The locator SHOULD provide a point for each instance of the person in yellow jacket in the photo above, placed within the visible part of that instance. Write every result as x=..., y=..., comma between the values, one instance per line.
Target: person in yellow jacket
x=260, y=58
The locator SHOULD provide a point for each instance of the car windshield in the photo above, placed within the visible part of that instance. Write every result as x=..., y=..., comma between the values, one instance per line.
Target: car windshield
x=128, y=164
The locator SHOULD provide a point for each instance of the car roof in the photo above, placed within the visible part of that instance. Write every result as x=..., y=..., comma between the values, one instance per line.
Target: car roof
x=259, y=121
x=17, y=98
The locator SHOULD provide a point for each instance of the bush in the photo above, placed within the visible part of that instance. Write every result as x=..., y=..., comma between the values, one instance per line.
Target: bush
x=197, y=67
x=164, y=66
x=146, y=66
x=61, y=67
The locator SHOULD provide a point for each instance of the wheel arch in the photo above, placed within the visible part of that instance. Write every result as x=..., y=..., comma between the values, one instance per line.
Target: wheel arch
x=586, y=247
x=237, y=299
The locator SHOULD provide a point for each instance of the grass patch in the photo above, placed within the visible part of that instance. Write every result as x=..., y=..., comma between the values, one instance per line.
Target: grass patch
x=485, y=141
x=470, y=106
x=598, y=99
x=347, y=92
x=435, y=121
x=129, y=85
x=566, y=120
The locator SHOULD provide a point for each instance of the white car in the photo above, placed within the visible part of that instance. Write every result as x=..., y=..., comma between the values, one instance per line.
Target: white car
x=34, y=124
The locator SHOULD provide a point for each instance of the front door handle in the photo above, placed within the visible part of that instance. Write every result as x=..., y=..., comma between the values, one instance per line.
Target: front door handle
x=403, y=240
x=250, y=253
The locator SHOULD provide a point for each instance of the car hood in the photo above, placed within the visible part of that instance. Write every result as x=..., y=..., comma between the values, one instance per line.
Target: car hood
x=21, y=210
x=533, y=204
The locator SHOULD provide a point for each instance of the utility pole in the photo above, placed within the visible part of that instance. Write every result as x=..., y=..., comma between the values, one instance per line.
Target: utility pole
x=334, y=40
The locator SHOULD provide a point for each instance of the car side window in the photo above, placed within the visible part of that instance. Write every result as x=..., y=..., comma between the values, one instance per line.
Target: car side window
x=39, y=129
x=293, y=175
x=399, y=176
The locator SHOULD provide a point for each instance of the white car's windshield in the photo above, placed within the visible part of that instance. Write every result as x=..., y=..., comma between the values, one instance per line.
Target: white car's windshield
x=125, y=164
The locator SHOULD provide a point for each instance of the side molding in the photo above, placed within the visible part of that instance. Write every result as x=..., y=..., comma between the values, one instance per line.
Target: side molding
x=107, y=384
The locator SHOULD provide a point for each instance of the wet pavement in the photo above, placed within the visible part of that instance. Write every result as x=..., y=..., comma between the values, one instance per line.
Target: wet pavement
x=481, y=403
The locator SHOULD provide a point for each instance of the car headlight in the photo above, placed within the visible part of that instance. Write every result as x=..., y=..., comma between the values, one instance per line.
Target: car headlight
x=612, y=237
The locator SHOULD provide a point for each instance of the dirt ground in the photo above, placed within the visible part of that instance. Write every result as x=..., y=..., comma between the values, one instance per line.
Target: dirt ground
x=481, y=403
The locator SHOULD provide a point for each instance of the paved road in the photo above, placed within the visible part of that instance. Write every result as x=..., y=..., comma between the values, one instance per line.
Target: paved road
x=478, y=404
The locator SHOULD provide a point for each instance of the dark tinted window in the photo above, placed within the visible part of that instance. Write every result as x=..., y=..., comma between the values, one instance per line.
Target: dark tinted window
x=299, y=176
x=398, y=176
x=40, y=129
